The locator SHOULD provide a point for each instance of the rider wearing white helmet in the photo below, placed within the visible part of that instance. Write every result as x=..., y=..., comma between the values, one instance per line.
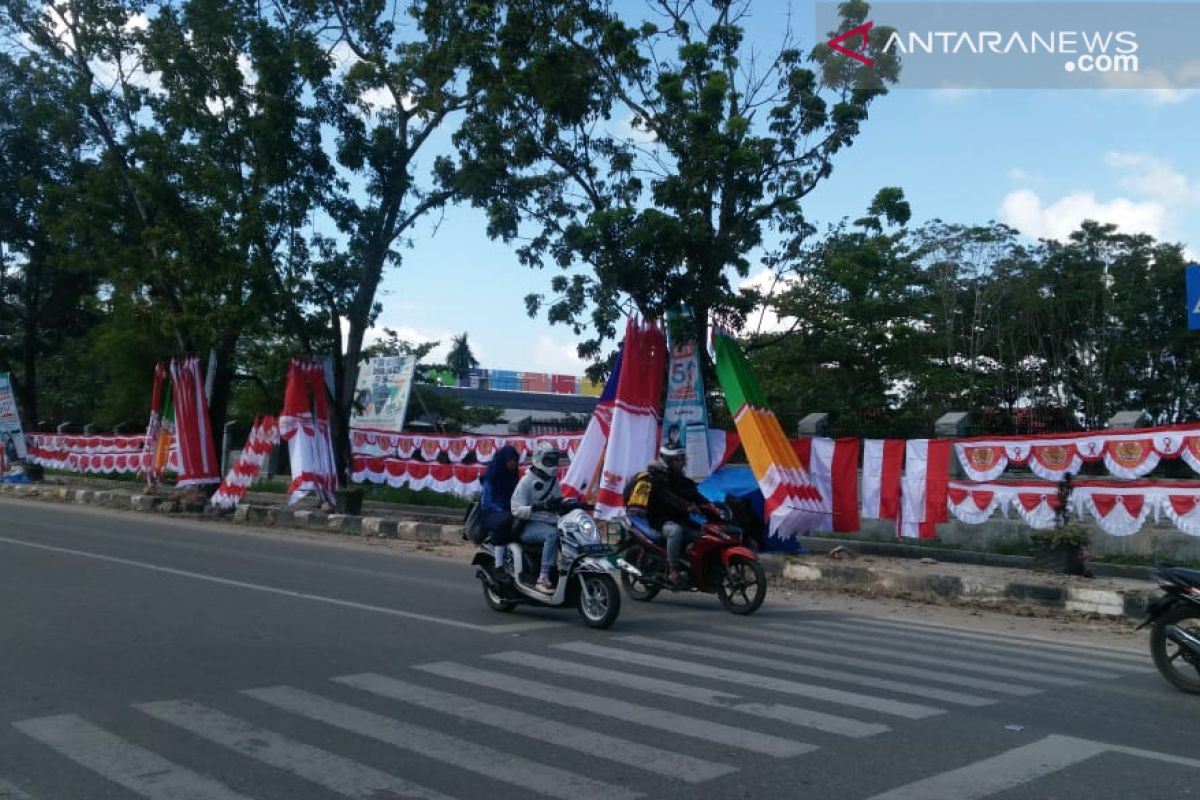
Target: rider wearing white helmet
x=670, y=498
x=536, y=492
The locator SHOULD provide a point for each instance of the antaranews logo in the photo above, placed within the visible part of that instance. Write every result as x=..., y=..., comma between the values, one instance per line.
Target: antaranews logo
x=856, y=33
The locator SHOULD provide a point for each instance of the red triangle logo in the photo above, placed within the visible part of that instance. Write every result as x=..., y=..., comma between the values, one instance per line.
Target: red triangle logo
x=856, y=33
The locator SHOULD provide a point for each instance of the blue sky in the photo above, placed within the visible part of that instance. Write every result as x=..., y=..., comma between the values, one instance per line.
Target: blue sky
x=1041, y=161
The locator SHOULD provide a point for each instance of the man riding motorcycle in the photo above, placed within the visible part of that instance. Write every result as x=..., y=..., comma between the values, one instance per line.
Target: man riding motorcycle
x=536, y=493
x=668, y=499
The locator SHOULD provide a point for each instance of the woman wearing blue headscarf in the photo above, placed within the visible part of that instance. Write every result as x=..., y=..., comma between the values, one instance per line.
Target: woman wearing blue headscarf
x=499, y=481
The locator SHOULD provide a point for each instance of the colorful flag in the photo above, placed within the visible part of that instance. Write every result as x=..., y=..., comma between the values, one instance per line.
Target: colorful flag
x=685, y=415
x=792, y=505
x=583, y=475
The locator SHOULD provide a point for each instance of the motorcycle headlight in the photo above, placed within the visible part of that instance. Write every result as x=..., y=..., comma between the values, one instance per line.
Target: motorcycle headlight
x=588, y=532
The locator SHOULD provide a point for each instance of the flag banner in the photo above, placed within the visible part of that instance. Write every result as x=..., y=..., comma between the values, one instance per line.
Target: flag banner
x=304, y=425
x=832, y=466
x=883, y=463
x=264, y=437
x=197, y=454
x=792, y=505
x=633, y=435
x=923, y=488
x=582, y=479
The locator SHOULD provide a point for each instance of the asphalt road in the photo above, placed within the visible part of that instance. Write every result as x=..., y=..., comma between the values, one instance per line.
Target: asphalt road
x=155, y=658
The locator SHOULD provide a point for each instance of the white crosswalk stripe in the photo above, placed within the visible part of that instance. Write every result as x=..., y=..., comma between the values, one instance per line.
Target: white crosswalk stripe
x=1081, y=665
x=123, y=763
x=1022, y=644
x=829, y=723
x=750, y=683
x=460, y=753
x=942, y=663
x=338, y=774
x=631, y=754
x=880, y=705
x=871, y=681
x=881, y=664
x=676, y=724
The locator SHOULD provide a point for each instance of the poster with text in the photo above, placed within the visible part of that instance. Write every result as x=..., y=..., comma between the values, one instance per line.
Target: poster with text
x=382, y=392
x=11, y=438
x=685, y=417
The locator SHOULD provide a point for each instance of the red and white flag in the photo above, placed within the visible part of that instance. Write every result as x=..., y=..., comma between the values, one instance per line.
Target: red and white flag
x=832, y=466
x=883, y=462
x=924, y=487
x=197, y=455
x=304, y=425
x=633, y=437
x=583, y=475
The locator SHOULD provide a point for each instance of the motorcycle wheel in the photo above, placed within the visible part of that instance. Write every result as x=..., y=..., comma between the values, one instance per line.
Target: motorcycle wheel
x=635, y=587
x=599, y=600
x=1170, y=659
x=743, y=586
x=495, y=602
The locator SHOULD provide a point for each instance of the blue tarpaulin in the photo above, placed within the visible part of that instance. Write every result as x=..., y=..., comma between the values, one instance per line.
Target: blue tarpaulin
x=738, y=480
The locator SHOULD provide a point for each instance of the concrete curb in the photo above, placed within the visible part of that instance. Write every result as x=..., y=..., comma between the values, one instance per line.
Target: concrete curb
x=245, y=514
x=1033, y=593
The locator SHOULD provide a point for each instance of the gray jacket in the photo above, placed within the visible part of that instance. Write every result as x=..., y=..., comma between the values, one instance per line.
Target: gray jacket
x=533, y=488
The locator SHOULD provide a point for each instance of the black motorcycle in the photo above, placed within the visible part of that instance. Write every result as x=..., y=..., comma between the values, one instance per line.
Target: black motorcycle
x=1175, y=631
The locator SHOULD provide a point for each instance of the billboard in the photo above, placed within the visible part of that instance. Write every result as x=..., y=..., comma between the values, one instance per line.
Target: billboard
x=382, y=392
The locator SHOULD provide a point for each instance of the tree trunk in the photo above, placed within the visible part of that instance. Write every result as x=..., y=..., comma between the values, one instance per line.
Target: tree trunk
x=218, y=406
x=344, y=384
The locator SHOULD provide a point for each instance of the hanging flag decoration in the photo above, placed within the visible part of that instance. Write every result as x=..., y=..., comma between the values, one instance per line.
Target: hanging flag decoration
x=264, y=437
x=832, y=466
x=883, y=463
x=304, y=425
x=1131, y=454
x=923, y=488
x=197, y=455
x=791, y=504
x=583, y=476
x=633, y=435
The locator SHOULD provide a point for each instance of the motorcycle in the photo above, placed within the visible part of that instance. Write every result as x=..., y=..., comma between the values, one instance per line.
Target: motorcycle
x=584, y=571
x=719, y=561
x=1175, y=627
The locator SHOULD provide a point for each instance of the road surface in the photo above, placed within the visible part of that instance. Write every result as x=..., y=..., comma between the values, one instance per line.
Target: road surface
x=154, y=658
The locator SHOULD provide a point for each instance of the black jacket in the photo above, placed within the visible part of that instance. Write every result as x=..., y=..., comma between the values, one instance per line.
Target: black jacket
x=665, y=496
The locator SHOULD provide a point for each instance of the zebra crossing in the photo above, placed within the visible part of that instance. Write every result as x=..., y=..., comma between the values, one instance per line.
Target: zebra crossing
x=614, y=717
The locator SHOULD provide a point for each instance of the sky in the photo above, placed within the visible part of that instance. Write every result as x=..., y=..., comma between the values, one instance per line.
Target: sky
x=1041, y=161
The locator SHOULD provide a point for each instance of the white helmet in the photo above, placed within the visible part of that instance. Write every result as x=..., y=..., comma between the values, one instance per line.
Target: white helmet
x=669, y=450
x=545, y=459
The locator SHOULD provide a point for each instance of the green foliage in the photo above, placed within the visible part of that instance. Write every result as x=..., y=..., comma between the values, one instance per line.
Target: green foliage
x=652, y=162
x=460, y=360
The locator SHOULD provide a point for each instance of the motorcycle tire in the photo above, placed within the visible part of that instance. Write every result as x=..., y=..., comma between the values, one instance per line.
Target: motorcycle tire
x=1169, y=666
x=599, y=600
x=495, y=602
x=634, y=587
x=741, y=593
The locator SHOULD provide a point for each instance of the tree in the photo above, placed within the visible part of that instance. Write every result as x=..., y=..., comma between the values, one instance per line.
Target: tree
x=409, y=78
x=717, y=149
x=198, y=121
x=460, y=360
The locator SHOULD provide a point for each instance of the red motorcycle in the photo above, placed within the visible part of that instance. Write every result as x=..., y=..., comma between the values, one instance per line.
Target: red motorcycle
x=718, y=561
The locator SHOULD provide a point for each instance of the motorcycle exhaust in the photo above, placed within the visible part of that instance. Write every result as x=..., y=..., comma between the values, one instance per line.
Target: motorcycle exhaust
x=1184, y=639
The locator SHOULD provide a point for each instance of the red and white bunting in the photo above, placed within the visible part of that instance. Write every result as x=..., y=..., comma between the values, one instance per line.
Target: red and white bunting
x=264, y=436
x=373, y=443
x=1119, y=508
x=1129, y=454
x=458, y=479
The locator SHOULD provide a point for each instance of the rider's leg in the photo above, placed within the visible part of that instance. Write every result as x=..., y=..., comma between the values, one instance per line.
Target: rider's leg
x=675, y=534
x=536, y=532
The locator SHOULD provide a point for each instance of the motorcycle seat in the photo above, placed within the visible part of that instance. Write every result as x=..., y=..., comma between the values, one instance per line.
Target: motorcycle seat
x=642, y=526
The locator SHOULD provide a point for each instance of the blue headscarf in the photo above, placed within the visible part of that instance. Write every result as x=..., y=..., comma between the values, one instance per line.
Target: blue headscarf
x=499, y=482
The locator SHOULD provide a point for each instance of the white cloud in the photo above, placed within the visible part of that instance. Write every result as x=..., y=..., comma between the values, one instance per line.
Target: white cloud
x=627, y=129
x=1156, y=87
x=1018, y=175
x=556, y=357
x=1024, y=210
x=953, y=95
x=764, y=319
x=1153, y=177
